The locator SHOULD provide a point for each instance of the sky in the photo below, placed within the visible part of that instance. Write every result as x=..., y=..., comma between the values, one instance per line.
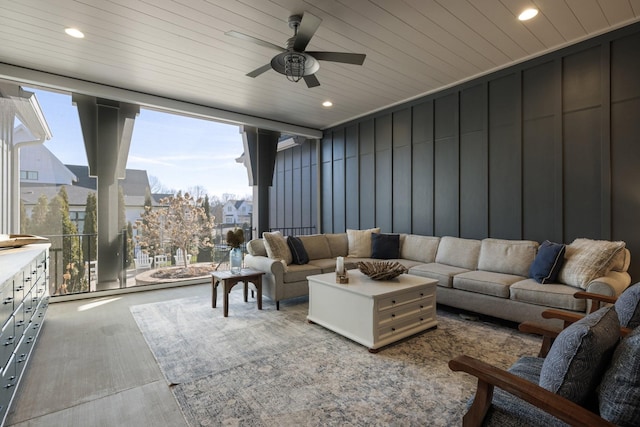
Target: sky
x=181, y=152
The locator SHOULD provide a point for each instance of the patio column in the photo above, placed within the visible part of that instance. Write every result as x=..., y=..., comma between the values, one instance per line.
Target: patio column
x=260, y=151
x=107, y=127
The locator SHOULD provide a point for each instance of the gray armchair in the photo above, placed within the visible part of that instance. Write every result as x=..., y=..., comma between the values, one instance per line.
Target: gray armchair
x=590, y=377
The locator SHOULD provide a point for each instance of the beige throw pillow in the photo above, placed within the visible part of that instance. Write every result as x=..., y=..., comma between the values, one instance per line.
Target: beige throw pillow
x=360, y=242
x=277, y=247
x=586, y=260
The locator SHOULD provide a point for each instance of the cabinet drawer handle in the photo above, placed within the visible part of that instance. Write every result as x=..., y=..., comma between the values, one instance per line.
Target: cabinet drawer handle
x=393, y=301
x=8, y=385
x=393, y=315
x=7, y=300
x=27, y=279
x=393, y=329
x=421, y=294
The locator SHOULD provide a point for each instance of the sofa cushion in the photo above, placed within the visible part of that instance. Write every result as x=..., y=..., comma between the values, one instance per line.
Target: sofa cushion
x=338, y=244
x=579, y=355
x=628, y=307
x=298, y=252
x=256, y=247
x=458, y=252
x=443, y=273
x=546, y=266
x=385, y=246
x=316, y=245
x=587, y=259
x=419, y=248
x=360, y=242
x=619, y=391
x=554, y=295
x=485, y=282
x=299, y=273
x=507, y=256
x=327, y=265
x=277, y=247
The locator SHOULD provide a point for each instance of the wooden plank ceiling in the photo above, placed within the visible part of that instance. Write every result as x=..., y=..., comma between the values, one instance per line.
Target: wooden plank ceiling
x=177, y=48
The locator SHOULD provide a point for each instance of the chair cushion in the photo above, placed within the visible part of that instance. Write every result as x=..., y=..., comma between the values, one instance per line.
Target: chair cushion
x=619, y=391
x=298, y=252
x=508, y=410
x=277, y=247
x=628, y=307
x=360, y=242
x=385, y=246
x=587, y=259
x=579, y=356
x=548, y=262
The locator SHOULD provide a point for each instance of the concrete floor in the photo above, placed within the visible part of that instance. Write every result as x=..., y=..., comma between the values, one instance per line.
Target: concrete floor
x=92, y=367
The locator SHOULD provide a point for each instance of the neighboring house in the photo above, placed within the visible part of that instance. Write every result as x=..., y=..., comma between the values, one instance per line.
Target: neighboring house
x=41, y=172
x=237, y=212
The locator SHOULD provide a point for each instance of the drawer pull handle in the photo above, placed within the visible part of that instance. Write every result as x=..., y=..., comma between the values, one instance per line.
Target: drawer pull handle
x=421, y=319
x=393, y=315
x=393, y=301
x=27, y=279
x=421, y=307
x=8, y=385
x=393, y=329
x=421, y=294
x=7, y=300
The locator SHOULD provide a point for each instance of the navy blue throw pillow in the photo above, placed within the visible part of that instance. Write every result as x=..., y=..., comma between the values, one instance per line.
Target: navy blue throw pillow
x=548, y=262
x=385, y=246
x=298, y=252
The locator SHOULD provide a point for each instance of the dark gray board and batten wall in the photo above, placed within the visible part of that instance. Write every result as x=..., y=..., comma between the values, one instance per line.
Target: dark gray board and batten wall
x=546, y=149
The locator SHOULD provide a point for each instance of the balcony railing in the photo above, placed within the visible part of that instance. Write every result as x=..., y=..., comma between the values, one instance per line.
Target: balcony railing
x=74, y=266
x=295, y=231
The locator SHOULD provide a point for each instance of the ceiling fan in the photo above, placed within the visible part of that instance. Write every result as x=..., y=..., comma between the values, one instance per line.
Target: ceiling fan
x=293, y=61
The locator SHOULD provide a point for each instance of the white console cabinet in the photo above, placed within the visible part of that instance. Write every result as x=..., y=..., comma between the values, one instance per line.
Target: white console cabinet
x=24, y=288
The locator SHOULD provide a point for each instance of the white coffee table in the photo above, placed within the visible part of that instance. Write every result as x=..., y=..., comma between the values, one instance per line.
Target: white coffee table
x=371, y=312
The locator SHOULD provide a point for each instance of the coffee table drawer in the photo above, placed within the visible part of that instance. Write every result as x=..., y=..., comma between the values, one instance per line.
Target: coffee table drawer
x=399, y=312
x=403, y=326
x=405, y=298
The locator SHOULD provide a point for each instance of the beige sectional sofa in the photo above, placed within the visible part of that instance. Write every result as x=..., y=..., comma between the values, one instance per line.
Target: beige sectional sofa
x=489, y=276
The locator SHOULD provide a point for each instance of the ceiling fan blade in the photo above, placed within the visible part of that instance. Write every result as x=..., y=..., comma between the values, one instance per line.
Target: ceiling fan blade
x=311, y=80
x=255, y=73
x=345, y=58
x=307, y=29
x=252, y=39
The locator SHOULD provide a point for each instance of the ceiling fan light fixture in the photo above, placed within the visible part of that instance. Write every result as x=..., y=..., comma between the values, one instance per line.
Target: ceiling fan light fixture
x=528, y=14
x=294, y=66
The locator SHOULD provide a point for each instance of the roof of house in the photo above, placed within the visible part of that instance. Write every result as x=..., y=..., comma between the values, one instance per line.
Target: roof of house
x=50, y=169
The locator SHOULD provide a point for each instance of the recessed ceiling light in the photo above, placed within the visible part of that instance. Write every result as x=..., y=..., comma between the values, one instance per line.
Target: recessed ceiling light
x=528, y=14
x=74, y=32
x=327, y=104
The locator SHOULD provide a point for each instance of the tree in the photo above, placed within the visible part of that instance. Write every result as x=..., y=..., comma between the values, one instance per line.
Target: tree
x=157, y=187
x=71, y=247
x=183, y=222
x=38, y=221
x=90, y=239
x=24, y=219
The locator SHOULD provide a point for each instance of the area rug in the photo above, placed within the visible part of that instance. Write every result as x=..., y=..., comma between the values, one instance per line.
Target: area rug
x=272, y=368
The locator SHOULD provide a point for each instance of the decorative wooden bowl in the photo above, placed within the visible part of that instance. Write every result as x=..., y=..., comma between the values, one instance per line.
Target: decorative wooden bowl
x=382, y=270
